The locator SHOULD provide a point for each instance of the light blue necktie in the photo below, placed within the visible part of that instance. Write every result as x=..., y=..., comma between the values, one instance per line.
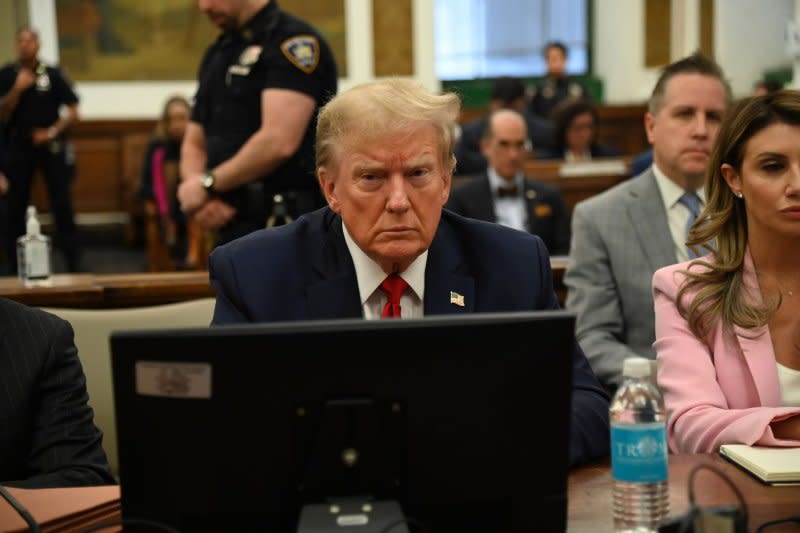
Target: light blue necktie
x=692, y=202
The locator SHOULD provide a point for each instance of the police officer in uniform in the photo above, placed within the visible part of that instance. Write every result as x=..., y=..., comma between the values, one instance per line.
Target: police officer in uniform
x=556, y=86
x=247, y=158
x=32, y=95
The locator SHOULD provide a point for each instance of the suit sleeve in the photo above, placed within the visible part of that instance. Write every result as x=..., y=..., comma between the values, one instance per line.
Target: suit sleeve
x=561, y=234
x=66, y=447
x=589, y=426
x=700, y=418
x=592, y=294
x=228, y=308
x=589, y=434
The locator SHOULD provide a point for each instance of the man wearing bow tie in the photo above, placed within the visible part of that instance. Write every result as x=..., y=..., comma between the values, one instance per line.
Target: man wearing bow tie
x=504, y=195
x=385, y=247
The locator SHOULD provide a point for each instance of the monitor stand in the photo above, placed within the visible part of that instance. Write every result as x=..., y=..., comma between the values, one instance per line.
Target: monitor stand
x=352, y=515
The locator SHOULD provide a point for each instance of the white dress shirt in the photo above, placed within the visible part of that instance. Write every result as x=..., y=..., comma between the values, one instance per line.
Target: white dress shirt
x=677, y=213
x=789, y=380
x=510, y=212
x=370, y=276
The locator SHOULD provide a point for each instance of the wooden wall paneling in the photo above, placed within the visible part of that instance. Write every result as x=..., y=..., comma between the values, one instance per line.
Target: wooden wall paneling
x=657, y=32
x=622, y=127
x=393, y=37
x=134, y=148
x=98, y=182
x=706, y=8
x=108, y=156
x=96, y=186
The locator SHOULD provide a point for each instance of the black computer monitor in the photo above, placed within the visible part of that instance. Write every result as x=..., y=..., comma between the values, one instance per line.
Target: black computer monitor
x=463, y=421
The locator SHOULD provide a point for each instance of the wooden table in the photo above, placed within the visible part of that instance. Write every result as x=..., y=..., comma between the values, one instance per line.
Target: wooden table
x=111, y=290
x=589, y=496
x=573, y=188
x=93, y=291
x=590, y=493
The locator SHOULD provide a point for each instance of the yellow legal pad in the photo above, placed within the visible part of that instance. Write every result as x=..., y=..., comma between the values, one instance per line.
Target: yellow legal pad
x=769, y=464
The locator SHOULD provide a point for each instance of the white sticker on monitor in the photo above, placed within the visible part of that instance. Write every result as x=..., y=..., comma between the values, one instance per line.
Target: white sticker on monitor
x=173, y=380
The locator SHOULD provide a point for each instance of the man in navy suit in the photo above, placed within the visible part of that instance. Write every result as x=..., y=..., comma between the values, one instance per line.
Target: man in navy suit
x=385, y=163
x=505, y=195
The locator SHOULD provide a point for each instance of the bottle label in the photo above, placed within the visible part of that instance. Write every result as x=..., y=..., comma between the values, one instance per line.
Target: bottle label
x=639, y=452
x=36, y=260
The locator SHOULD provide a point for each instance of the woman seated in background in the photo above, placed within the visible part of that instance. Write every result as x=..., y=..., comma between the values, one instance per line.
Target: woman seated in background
x=574, y=133
x=728, y=323
x=168, y=246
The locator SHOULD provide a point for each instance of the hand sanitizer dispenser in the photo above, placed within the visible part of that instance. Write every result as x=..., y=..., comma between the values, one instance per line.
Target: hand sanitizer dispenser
x=33, y=253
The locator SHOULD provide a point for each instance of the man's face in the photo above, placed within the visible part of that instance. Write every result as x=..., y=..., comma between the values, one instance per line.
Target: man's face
x=505, y=148
x=224, y=14
x=683, y=131
x=556, y=61
x=390, y=193
x=27, y=46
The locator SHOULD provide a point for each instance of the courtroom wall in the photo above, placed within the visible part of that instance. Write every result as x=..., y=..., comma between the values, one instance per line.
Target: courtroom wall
x=618, y=37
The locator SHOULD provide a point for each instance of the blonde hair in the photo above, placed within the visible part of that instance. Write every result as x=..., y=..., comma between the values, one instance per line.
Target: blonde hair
x=383, y=108
x=722, y=226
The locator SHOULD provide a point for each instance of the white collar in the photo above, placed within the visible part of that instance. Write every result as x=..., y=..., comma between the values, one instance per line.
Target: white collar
x=671, y=192
x=369, y=274
x=496, y=181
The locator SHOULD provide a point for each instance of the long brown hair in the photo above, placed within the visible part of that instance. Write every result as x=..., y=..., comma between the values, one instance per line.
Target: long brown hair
x=722, y=226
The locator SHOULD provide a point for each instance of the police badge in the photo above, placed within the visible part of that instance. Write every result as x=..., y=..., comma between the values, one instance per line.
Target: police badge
x=302, y=51
x=42, y=79
x=250, y=55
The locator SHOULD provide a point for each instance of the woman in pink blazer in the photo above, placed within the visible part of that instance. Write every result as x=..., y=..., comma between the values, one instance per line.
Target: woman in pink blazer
x=728, y=323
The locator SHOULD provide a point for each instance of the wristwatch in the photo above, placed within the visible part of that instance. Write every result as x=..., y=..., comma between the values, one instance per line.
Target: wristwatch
x=207, y=181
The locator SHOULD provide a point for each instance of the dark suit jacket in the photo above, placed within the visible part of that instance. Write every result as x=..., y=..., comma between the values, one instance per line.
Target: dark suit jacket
x=47, y=434
x=470, y=160
x=641, y=162
x=547, y=213
x=304, y=271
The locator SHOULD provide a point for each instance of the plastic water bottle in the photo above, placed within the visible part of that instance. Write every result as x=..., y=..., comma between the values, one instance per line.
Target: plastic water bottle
x=639, y=464
x=33, y=253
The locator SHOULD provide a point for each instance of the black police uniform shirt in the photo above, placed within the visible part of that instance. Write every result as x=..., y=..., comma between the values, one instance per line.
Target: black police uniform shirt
x=274, y=50
x=38, y=105
x=550, y=91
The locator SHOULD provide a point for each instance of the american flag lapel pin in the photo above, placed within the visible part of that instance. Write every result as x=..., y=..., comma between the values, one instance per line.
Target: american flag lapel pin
x=456, y=299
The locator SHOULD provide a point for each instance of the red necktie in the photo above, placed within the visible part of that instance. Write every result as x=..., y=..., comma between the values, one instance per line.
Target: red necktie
x=394, y=286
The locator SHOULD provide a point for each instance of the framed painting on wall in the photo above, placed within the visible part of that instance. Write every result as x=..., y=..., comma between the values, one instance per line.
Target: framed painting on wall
x=144, y=40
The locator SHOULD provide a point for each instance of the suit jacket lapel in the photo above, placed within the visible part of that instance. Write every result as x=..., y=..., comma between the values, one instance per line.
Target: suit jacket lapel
x=531, y=196
x=756, y=345
x=334, y=291
x=445, y=287
x=649, y=221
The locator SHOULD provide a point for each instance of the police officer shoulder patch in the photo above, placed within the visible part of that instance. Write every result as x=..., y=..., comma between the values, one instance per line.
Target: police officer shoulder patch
x=302, y=51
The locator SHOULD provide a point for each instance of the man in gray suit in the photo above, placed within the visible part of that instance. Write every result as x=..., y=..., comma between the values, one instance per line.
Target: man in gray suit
x=620, y=237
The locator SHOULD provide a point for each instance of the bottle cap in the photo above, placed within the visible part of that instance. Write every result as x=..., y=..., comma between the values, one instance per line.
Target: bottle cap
x=32, y=226
x=636, y=367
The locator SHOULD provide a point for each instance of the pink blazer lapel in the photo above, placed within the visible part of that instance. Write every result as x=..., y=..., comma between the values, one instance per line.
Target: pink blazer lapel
x=759, y=354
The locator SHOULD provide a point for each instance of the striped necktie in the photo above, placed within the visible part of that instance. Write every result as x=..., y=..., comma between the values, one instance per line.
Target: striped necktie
x=692, y=203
